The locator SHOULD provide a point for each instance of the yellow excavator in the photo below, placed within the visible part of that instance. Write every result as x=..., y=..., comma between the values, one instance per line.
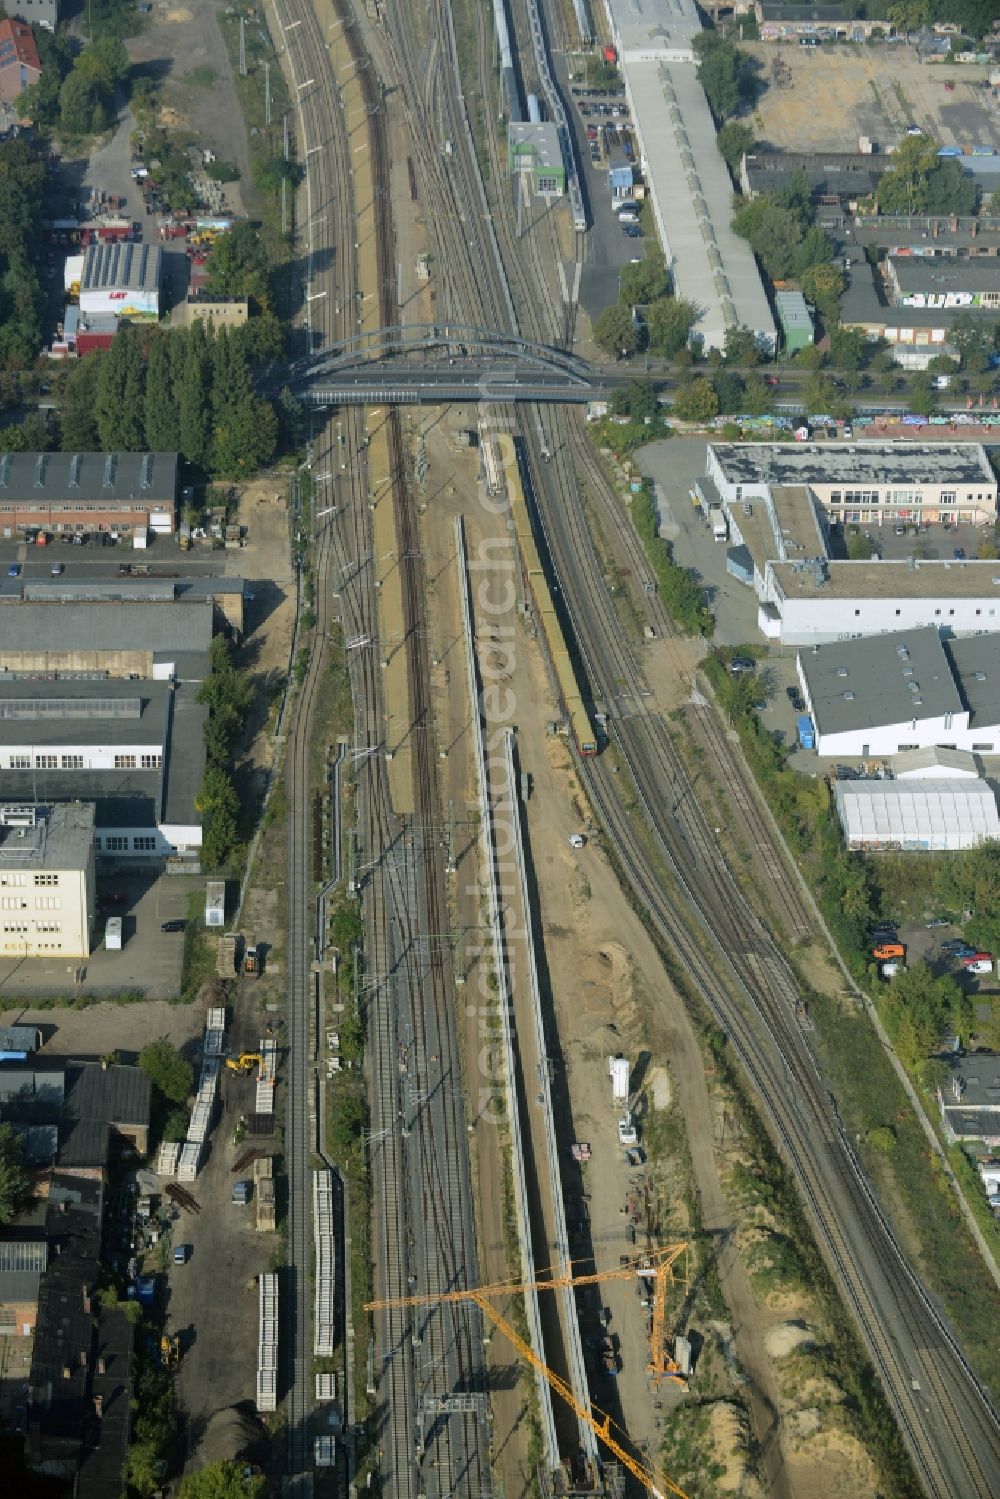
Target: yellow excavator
x=170, y=1351
x=245, y=1062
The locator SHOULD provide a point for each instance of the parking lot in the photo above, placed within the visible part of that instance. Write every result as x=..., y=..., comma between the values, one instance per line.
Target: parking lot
x=150, y=961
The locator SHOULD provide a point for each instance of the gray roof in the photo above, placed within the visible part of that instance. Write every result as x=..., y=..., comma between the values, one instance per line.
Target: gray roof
x=974, y=1124
x=114, y=1095
x=39, y=1142
x=19, y=1285
x=883, y=679
x=138, y=626
x=831, y=15
x=977, y=1075
x=844, y=174
x=855, y=462
x=932, y=757
x=929, y=233
x=654, y=27
x=944, y=275
x=121, y=266
x=120, y=798
x=62, y=837
x=860, y=304
x=792, y=310
x=976, y=666
x=65, y=713
x=31, y=1093
x=20, y=1038
x=61, y=478
x=185, y=759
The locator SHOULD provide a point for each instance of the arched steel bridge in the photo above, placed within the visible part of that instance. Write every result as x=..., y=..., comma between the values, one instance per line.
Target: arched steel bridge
x=437, y=362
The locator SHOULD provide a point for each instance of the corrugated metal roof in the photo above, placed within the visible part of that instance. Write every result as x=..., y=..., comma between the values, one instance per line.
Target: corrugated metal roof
x=938, y=814
x=125, y=267
x=60, y=478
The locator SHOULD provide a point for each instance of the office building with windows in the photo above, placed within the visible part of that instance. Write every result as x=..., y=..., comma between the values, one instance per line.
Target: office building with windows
x=47, y=869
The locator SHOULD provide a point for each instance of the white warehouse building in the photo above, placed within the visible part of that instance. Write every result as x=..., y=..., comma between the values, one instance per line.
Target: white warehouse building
x=920, y=816
x=890, y=694
x=689, y=186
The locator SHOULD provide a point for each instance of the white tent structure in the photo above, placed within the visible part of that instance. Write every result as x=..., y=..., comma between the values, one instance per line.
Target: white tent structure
x=916, y=815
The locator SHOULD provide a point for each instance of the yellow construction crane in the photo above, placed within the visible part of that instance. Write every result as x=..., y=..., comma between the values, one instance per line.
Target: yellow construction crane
x=245, y=1061
x=170, y=1350
x=657, y=1266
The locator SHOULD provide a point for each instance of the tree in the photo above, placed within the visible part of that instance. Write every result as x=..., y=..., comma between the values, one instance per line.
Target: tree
x=120, y=396
x=734, y=141
x=637, y=399
x=740, y=346
x=773, y=232
x=696, y=401
x=725, y=73
x=669, y=321
x=169, y=1072
x=162, y=425
x=219, y=807
x=77, y=420
x=822, y=397
x=175, y=1126
x=848, y=347
x=823, y=285
x=615, y=332
x=757, y=399
x=238, y=266
x=920, y=181
x=728, y=389
x=645, y=281
x=15, y=1184
x=918, y=1009
x=349, y=1124
x=76, y=103
x=222, y=1480
x=921, y=397
x=194, y=404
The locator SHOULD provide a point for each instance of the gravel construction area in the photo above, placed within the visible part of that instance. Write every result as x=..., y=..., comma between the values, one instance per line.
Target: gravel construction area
x=834, y=95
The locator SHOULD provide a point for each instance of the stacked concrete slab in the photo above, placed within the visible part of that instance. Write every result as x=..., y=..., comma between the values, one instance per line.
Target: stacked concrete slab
x=267, y=1344
x=167, y=1158
x=324, y=1244
x=263, y=1176
x=264, y=1102
x=213, y=1051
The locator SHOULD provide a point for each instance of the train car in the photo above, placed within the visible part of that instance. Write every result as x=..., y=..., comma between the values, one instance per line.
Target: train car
x=580, y=724
x=491, y=467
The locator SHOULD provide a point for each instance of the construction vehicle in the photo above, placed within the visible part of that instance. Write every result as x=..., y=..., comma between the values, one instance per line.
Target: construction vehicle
x=656, y=1266
x=885, y=951
x=245, y=1062
x=251, y=959
x=170, y=1350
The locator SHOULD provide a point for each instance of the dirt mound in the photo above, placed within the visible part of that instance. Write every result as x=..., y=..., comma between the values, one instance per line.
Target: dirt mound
x=729, y=1434
x=232, y=1433
x=602, y=976
x=785, y=1337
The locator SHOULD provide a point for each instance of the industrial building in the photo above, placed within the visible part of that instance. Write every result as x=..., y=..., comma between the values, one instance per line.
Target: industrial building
x=122, y=279
x=916, y=817
x=66, y=1381
x=216, y=312
x=129, y=493
x=533, y=150
x=814, y=23
x=969, y=1100
x=912, y=690
x=780, y=501
x=843, y=178
x=944, y=281
x=687, y=181
x=915, y=334
x=47, y=869
x=868, y=483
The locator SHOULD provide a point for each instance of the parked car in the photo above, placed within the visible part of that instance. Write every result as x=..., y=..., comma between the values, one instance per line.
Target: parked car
x=57, y=569
x=181, y=1253
x=959, y=554
x=936, y=922
x=957, y=948
x=14, y=571
x=173, y=926
x=577, y=840
x=794, y=696
x=740, y=664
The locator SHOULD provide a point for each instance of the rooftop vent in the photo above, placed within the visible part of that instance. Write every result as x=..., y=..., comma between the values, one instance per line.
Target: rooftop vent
x=848, y=697
x=5, y=470
x=907, y=671
x=980, y=676
x=918, y=702
x=841, y=671
x=902, y=653
x=40, y=464
x=146, y=472
x=110, y=465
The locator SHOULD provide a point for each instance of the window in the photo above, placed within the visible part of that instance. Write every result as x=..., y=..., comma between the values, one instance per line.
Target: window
x=71, y=762
x=13, y=880
x=937, y=611
x=857, y=612
x=13, y=903
x=46, y=762
x=124, y=762
x=948, y=496
x=835, y=496
x=150, y=762
x=97, y=845
x=116, y=845
x=45, y=879
x=48, y=902
x=986, y=748
x=898, y=612
x=20, y=762
x=144, y=844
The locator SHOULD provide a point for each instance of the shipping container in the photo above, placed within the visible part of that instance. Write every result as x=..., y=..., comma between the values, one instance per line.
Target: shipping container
x=806, y=732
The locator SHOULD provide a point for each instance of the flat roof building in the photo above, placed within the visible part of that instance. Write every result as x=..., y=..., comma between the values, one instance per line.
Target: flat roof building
x=688, y=181
x=533, y=147
x=121, y=278
x=67, y=492
x=794, y=320
x=916, y=816
x=890, y=694
x=944, y=281
x=834, y=467
x=47, y=870
x=784, y=23
x=132, y=636
x=915, y=334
